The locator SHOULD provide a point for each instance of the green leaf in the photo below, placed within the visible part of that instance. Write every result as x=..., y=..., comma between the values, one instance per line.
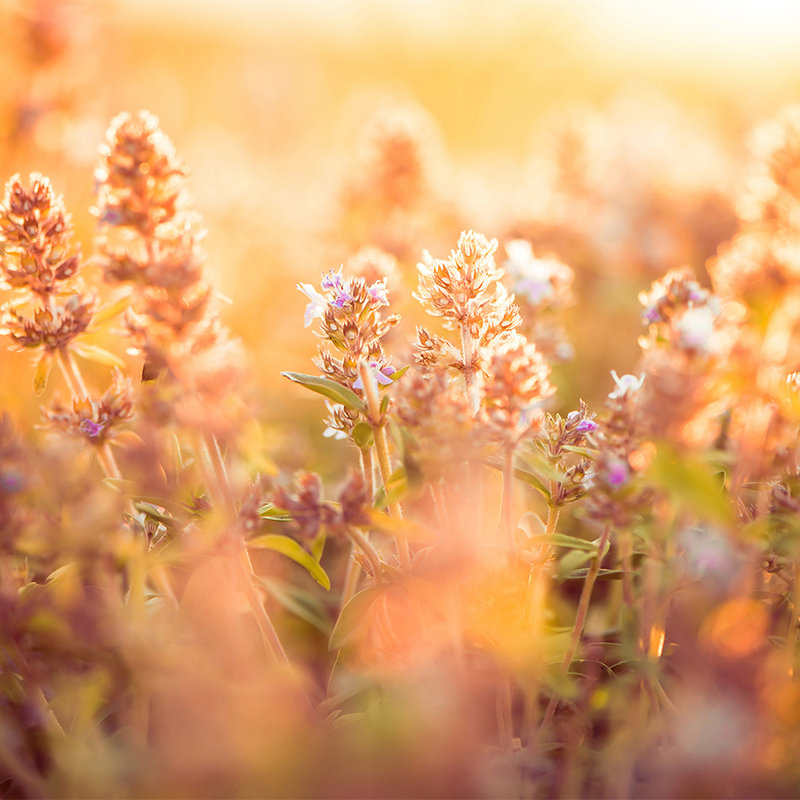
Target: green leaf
x=692, y=484
x=355, y=619
x=586, y=452
x=110, y=311
x=363, y=435
x=270, y=511
x=398, y=373
x=317, y=546
x=298, y=602
x=292, y=549
x=91, y=352
x=562, y=540
x=42, y=374
x=572, y=561
x=328, y=388
x=154, y=512
x=523, y=475
x=396, y=488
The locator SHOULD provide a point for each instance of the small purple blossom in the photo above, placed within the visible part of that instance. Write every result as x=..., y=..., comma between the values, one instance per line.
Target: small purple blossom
x=91, y=428
x=382, y=375
x=342, y=298
x=332, y=281
x=586, y=426
x=11, y=481
x=652, y=314
x=617, y=473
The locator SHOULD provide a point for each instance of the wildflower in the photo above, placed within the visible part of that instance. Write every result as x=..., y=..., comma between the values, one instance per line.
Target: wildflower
x=515, y=387
x=36, y=235
x=96, y=420
x=351, y=322
x=695, y=328
x=442, y=433
x=316, y=308
x=626, y=386
x=541, y=282
x=382, y=372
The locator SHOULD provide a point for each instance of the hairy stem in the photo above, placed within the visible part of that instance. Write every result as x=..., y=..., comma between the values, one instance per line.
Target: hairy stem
x=215, y=477
x=367, y=549
x=580, y=617
x=382, y=452
x=467, y=355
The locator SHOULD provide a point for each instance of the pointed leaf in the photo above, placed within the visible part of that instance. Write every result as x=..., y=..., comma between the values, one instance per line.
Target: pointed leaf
x=292, y=549
x=91, y=352
x=110, y=311
x=562, y=540
x=42, y=374
x=328, y=388
x=355, y=619
x=302, y=604
x=270, y=511
x=362, y=435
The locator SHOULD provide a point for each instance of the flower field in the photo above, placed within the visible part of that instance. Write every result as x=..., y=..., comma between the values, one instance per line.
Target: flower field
x=399, y=400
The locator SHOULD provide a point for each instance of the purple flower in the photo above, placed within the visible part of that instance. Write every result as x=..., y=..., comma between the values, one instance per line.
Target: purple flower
x=382, y=375
x=11, y=481
x=342, y=298
x=586, y=426
x=617, y=473
x=91, y=428
x=333, y=281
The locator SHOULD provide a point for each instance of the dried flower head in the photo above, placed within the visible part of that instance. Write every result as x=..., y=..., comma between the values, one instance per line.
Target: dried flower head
x=515, y=386
x=35, y=239
x=353, y=325
x=680, y=314
x=96, y=420
x=465, y=291
x=443, y=432
x=36, y=235
x=149, y=237
x=138, y=178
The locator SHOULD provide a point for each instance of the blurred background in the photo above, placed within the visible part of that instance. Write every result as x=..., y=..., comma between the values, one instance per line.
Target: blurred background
x=613, y=135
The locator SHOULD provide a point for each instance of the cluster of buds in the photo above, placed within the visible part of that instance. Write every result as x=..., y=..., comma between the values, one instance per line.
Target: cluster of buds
x=621, y=454
x=389, y=195
x=150, y=239
x=353, y=325
x=541, y=287
x=680, y=314
x=309, y=513
x=466, y=293
x=95, y=420
x=685, y=339
x=563, y=443
x=516, y=384
x=37, y=262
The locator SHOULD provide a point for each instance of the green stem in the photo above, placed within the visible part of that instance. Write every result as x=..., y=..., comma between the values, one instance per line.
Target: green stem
x=367, y=549
x=216, y=480
x=580, y=618
x=382, y=452
x=507, y=503
x=467, y=354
